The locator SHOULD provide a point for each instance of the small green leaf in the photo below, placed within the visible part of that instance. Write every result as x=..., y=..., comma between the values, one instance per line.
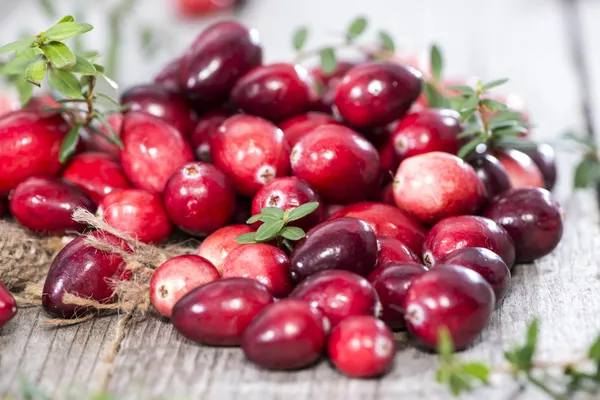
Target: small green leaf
x=494, y=125
x=328, y=60
x=494, y=84
x=299, y=38
x=15, y=66
x=470, y=102
x=458, y=384
x=356, y=28
x=477, y=370
x=48, y=7
x=59, y=55
x=433, y=96
x=587, y=173
x=36, y=70
x=387, y=42
x=65, y=30
x=463, y=89
x=29, y=53
x=269, y=230
x=99, y=68
x=246, y=238
x=274, y=211
x=302, y=211
x=583, y=140
x=467, y=115
x=25, y=90
x=511, y=132
x=442, y=375
x=445, y=347
x=594, y=352
x=112, y=83
x=470, y=131
x=110, y=100
x=525, y=354
x=435, y=58
x=66, y=18
x=253, y=219
x=292, y=233
x=494, y=105
x=65, y=82
x=15, y=46
x=83, y=66
x=69, y=143
x=470, y=146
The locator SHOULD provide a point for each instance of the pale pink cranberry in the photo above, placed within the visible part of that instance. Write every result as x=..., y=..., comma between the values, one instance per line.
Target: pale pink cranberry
x=216, y=247
x=393, y=251
x=297, y=127
x=522, y=171
x=206, y=126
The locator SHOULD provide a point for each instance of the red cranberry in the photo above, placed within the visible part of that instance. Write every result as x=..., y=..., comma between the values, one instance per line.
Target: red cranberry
x=206, y=126
x=288, y=193
x=377, y=93
x=437, y=185
x=289, y=334
x=169, y=75
x=379, y=136
x=84, y=271
x=491, y=172
x=455, y=233
x=521, y=170
x=297, y=127
x=8, y=306
x=338, y=295
x=199, y=198
x=449, y=296
x=29, y=146
x=389, y=221
x=263, y=262
x=219, y=312
x=154, y=150
x=325, y=84
x=176, y=277
x=99, y=143
x=39, y=102
x=139, y=213
x=251, y=151
x=216, y=247
x=333, y=208
x=96, y=173
x=532, y=217
x=3, y=207
x=393, y=251
x=544, y=158
x=338, y=163
x=195, y=8
x=216, y=60
x=161, y=102
x=46, y=205
x=344, y=243
x=387, y=195
x=391, y=283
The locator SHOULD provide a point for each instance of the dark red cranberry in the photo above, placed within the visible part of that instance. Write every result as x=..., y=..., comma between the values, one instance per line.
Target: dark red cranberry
x=379, y=135
x=29, y=146
x=206, y=126
x=216, y=60
x=338, y=163
x=437, y=185
x=521, y=170
x=491, y=172
x=532, y=217
x=377, y=93
x=389, y=163
x=386, y=195
x=8, y=306
x=331, y=79
x=139, y=213
x=99, y=142
x=83, y=271
x=251, y=151
x=338, y=294
x=455, y=233
x=286, y=335
x=219, y=312
x=154, y=150
x=393, y=251
x=169, y=75
x=391, y=283
x=449, y=296
x=3, y=207
x=217, y=246
x=543, y=156
x=344, y=243
x=297, y=127
x=46, y=205
x=389, y=221
x=199, y=198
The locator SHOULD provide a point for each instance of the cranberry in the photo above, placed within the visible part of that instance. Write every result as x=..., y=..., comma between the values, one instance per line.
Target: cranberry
x=139, y=213
x=99, y=143
x=199, y=198
x=289, y=334
x=297, y=127
x=219, y=312
x=325, y=84
x=3, y=207
x=544, y=158
x=263, y=262
x=206, y=126
x=386, y=195
x=46, y=205
x=449, y=296
x=216, y=60
x=361, y=347
x=437, y=185
x=192, y=8
x=29, y=146
x=344, y=243
x=532, y=217
x=338, y=294
x=176, y=277
x=391, y=283
x=169, y=75
x=393, y=251
x=84, y=271
x=251, y=151
x=389, y=162
x=338, y=163
x=288, y=193
x=389, y=221
x=161, y=102
x=96, y=173
x=243, y=210
x=377, y=93
x=216, y=247
x=491, y=172
x=521, y=170
x=379, y=136
x=8, y=306
x=455, y=233
x=39, y=102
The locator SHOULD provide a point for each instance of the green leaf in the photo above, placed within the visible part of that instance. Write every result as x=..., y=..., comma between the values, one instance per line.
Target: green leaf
x=494, y=84
x=477, y=370
x=356, y=28
x=467, y=115
x=274, y=211
x=246, y=238
x=458, y=384
x=494, y=105
x=59, y=55
x=433, y=96
x=470, y=131
x=387, y=42
x=292, y=233
x=65, y=82
x=114, y=137
x=512, y=132
x=470, y=102
x=69, y=143
x=99, y=68
x=470, y=146
x=35, y=71
x=15, y=66
x=109, y=99
x=583, y=140
x=435, y=58
x=66, y=18
x=442, y=375
x=65, y=30
x=261, y=217
x=48, y=7
x=594, y=352
x=494, y=125
x=328, y=60
x=15, y=46
x=299, y=38
x=29, y=53
x=302, y=211
x=112, y=83
x=253, y=219
x=83, y=66
x=25, y=90
x=269, y=230
x=463, y=89
x=587, y=173
x=528, y=350
x=445, y=346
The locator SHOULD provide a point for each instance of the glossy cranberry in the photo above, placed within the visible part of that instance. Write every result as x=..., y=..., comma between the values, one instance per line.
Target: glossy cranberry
x=139, y=213
x=338, y=294
x=288, y=193
x=84, y=271
x=454, y=233
x=206, y=126
x=169, y=75
x=100, y=144
x=437, y=185
x=388, y=221
x=286, y=335
x=491, y=172
x=361, y=347
x=161, y=102
x=216, y=247
x=251, y=151
x=331, y=79
x=297, y=127
x=486, y=263
x=393, y=251
x=391, y=283
x=377, y=93
x=8, y=306
x=199, y=198
x=521, y=170
x=219, y=312
x=449, y=296
x=29, y=146
x=263, y=262
x=176, y=277
x=338, y=163
x=215, y=61
x=543, y=156
x=45, y=205
x=532, y=217
x=343, y=243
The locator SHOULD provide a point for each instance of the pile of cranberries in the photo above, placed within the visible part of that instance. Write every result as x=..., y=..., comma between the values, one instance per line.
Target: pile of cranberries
x=406, y=236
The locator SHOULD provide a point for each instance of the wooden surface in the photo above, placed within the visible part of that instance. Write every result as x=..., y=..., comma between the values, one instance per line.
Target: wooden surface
x=547, y=49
